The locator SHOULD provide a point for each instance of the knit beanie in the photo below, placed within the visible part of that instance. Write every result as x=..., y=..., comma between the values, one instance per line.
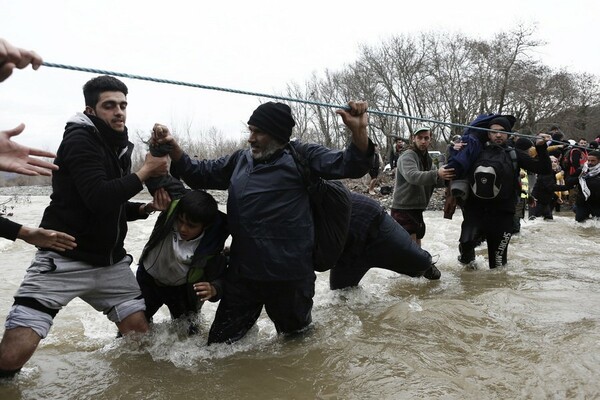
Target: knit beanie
x=523, y=143
x=506, y=121
x=275, y=119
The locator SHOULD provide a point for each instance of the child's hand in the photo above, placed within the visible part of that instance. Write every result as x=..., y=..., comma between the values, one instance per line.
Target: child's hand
x=159, y=131
x=205, y=290
x=161, y=200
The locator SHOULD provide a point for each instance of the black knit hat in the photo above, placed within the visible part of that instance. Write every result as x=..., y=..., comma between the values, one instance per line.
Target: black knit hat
x=523, y=143
x=275, y=119
x=505, y=121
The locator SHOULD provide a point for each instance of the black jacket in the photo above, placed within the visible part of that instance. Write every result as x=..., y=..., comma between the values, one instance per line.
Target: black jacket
x=545, y=188
x=540, y=164
x=90, y=194
x=9, y=229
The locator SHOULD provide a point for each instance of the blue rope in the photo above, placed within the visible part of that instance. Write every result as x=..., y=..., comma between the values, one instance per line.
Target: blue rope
x=271, y=96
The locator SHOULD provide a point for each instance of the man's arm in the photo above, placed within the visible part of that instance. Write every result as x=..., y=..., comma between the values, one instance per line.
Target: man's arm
x=408, y=167
x=99, y=187
x=39, y=237
x=542, y=163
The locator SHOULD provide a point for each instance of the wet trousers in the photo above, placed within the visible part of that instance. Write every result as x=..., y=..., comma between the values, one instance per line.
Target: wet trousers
x=495, y=227
x=287, y=303
x=388, y=246
x=181, y=300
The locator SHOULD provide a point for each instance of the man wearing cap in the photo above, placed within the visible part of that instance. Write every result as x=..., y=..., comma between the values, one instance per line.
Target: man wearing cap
x=492, y=218
x=415, y=180
x=270, y=216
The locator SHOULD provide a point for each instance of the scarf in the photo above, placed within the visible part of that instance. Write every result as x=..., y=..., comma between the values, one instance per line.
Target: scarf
x=426, y=160
x=587, y=173
x=115, y=140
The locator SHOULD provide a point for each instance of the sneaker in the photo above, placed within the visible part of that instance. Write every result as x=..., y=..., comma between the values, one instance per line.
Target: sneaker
x=432, y=273
x=468, y=265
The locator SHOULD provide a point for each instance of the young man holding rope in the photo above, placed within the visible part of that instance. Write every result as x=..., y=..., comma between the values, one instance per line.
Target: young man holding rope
x=89, y=201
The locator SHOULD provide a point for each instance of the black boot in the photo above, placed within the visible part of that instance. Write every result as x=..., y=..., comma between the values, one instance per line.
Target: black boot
x=432, y=273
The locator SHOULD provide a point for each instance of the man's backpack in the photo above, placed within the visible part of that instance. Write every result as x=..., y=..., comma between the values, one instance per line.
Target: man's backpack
x=331, y=208
x=494, y=174
x=568, y=163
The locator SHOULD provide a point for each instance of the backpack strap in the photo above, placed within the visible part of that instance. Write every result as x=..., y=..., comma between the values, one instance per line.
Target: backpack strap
x=302, y=165
x=517, y=171
x=513, y=157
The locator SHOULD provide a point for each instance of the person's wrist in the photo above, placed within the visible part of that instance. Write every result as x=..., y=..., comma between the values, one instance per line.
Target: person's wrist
x=149, y=209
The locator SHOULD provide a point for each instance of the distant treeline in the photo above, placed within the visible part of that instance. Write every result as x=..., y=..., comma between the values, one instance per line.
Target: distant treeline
x=450, y=78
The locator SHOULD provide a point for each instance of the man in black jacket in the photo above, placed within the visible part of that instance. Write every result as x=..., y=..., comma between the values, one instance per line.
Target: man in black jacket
x=269, y=216
x=489, y=210
x=90, y=193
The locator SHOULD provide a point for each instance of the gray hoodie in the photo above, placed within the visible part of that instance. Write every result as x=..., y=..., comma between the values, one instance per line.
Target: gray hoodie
x=414, y=184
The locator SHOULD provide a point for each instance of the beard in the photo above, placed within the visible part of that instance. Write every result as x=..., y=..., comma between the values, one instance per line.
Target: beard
x=267, y=151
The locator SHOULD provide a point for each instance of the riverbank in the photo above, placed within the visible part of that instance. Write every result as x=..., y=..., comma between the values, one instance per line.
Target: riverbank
x=356, y=185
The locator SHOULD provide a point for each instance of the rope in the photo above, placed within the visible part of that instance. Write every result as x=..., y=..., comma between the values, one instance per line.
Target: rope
x=271, y=96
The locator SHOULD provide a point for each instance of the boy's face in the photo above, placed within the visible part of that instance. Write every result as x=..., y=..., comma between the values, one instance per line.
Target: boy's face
x=187, y=229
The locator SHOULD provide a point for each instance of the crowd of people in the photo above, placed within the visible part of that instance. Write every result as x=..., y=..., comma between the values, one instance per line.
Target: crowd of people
x=269, y=263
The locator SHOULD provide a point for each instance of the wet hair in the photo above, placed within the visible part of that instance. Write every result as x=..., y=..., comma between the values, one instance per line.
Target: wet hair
x=523, y=143
x=100, y=84
x=199, y=207
x=594, y=153
x=558, y=136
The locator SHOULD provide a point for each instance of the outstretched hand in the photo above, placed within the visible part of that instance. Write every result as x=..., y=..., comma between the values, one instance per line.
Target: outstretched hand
x=47, y=238
x=17, y=158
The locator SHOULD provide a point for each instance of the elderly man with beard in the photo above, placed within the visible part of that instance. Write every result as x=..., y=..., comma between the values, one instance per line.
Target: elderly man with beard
x=270, y=217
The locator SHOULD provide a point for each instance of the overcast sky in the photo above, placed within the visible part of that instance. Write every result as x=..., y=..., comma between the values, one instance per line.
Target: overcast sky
x=255, y=45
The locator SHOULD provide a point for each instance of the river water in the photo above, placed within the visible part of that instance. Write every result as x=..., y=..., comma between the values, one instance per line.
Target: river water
x=530, y=330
